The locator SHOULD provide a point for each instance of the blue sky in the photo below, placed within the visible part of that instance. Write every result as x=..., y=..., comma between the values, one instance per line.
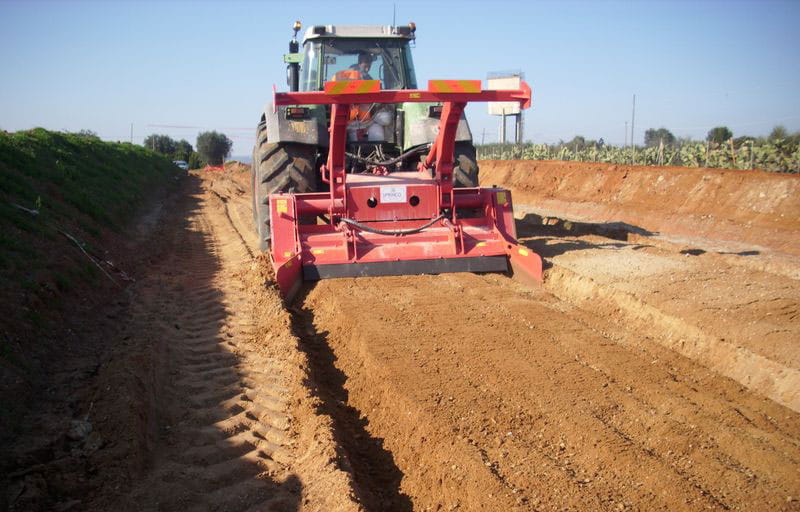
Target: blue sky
x=211, y=65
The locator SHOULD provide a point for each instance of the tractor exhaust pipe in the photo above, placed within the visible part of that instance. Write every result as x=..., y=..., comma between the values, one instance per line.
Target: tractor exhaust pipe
x=293, y=69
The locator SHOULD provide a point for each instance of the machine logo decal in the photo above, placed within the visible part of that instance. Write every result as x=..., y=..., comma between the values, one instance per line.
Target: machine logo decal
x=393, y=194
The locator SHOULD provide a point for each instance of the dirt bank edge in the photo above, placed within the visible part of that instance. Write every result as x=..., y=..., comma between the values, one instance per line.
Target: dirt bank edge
x=753, y=207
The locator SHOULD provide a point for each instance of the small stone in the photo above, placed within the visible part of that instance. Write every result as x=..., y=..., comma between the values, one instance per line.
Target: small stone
x=93, y=443
x=78, y=430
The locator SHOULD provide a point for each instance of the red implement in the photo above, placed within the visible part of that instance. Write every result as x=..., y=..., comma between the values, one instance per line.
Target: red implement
x=410, y=222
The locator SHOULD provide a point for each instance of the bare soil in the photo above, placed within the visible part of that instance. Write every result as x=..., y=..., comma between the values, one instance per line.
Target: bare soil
x=655, y=369
x=753, y=207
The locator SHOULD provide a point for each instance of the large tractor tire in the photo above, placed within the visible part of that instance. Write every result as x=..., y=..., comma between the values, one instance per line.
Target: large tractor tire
x=280, y=167
x=465, y=172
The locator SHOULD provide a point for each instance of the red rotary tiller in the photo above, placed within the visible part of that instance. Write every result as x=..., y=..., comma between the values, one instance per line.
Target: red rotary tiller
x=396, y=223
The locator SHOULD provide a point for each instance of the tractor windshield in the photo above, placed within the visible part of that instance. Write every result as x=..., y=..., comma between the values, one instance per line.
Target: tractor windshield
x=387, y=60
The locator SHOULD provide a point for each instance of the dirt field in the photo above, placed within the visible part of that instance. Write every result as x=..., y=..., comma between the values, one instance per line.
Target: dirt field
x=657, y=368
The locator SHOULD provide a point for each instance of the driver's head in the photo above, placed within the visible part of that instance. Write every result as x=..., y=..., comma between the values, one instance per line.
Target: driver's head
x=364, y=61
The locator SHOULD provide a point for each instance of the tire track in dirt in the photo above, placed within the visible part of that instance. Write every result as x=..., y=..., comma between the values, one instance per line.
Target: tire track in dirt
x=375, y=477
x=220, y=435
x=226, y=421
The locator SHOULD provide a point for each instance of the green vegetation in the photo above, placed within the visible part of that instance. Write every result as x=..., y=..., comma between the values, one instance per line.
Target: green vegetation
x=214, y=147
x=780, y=152
x=719, y=134
x=175, y=150
x=653, y=137
x=52, y=182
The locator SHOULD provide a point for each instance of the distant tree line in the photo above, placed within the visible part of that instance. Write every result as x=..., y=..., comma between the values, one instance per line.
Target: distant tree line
x=212, y=148
x=779, y=151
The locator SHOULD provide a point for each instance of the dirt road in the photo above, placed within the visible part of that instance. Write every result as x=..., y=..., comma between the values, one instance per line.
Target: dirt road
x=644, y=374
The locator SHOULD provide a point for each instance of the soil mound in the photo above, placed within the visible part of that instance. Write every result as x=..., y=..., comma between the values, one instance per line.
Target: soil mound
x=755, y=207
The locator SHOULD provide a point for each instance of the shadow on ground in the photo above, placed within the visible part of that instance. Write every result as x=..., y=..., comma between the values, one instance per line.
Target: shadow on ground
x=131, y=416
x=551, y=236
x=377, y=476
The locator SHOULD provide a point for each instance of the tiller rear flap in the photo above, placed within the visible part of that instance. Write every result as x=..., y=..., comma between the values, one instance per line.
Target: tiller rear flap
x=396, y=223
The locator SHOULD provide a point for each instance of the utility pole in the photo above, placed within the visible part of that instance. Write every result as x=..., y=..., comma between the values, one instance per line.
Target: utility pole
x=626, y=135
x=131, y=133
x=483, y=137
x=503, y=127
x=633, y=118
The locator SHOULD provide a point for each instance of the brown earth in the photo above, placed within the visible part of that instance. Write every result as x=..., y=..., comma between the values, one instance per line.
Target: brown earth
x=650, y=371
x=753, y=207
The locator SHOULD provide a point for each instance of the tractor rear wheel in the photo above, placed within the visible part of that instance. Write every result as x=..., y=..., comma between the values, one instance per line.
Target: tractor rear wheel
x=280, y=167
x=465, y=172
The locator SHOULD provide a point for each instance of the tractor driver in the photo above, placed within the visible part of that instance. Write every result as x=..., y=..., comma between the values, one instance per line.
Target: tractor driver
x=364, y=63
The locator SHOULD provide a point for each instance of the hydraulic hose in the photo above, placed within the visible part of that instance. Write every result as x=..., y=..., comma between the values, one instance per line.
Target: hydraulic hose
x=392, y=232
x=393, y=161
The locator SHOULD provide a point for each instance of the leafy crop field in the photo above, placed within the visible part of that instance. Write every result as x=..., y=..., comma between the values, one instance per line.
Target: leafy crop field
x=777, y=156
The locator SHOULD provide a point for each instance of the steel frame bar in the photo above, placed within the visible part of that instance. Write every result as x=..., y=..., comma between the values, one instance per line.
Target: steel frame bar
x=522, y=95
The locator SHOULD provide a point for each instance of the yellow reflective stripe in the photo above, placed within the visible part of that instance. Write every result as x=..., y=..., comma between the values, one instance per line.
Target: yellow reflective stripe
x=367, y=86
x=335, y=87
x=463, y=86
x=471, y=86
x=352, y=86
x=443, y=86
x=523, y=252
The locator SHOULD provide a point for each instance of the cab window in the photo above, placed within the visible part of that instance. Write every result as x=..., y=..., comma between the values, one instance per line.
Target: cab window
x=390, y=64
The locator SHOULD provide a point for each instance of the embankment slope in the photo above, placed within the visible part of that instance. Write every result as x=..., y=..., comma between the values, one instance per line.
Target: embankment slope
x=752, y=207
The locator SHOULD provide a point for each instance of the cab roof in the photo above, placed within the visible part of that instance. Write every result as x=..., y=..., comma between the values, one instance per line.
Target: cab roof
x=358, y=31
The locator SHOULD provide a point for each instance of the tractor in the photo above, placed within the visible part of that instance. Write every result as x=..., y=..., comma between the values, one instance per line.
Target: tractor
x=357, y=171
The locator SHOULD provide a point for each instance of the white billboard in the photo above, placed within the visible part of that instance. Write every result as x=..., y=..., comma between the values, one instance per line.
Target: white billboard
x=499, y=108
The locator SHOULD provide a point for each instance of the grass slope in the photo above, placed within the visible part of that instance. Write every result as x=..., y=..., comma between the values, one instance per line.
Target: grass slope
x=80, y=185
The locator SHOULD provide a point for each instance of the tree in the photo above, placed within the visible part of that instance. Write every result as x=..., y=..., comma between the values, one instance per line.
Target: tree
x=580, y=140
x=214, y=147
x=779, y=132
x=653, y=137
x=719, y=134
x=182, y=150
x=163, y=144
